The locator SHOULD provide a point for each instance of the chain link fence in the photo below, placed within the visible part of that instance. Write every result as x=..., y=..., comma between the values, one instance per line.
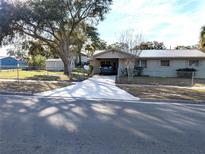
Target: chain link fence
x=29, y=80
x=145, y=77
x=40, y=73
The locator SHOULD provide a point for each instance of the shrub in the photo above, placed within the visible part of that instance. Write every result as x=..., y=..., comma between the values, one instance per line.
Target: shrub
x=138, y=71
x=187, y=69
x=90, y=69
x=37, y=62
x=186, y=72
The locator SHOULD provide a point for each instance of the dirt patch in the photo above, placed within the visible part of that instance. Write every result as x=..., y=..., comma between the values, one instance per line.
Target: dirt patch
x=31, y=87
x=162, y=81
x=165, y=93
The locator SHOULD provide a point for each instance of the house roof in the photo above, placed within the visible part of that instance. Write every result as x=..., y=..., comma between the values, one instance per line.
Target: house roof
x=100, y=52
x=159, y=53
x=171, y=54
x=2, y=57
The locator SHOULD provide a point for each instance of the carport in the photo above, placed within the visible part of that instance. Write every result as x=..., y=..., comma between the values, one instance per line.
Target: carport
x=110, y=61
x=115, y=58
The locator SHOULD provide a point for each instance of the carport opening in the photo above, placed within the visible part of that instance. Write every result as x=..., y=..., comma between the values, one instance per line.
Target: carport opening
x=105, y=63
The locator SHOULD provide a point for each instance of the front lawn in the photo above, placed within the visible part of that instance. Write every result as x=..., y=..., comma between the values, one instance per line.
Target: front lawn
x=162, y=81
x=165, y=93
x=40, y=75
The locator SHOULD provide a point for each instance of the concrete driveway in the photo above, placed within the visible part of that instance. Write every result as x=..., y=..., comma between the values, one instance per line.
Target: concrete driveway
x=39, y=125
x=97, y=87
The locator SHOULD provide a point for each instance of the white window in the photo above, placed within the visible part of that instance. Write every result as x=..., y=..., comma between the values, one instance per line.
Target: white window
x=141, y=63
x=144, y=63
x=193, y=63
x=165, y=63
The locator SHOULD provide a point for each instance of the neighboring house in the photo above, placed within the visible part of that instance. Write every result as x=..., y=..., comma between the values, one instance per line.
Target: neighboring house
x=156, y=63
x=10, y=62
x=57, y=64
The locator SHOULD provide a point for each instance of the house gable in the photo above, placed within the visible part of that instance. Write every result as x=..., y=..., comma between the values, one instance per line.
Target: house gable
x=112, y=54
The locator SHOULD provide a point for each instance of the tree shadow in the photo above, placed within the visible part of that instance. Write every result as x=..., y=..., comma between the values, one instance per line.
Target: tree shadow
x=44, y=78
x=71, y=125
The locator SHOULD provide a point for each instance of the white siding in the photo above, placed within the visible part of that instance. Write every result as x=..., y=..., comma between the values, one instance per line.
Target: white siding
x=57, y=64
x=155, y=69
x=54, y=65
x=201, y=69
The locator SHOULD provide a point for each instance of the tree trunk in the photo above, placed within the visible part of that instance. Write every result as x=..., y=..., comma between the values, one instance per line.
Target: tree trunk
x=66, y=69
x=79, y=56
x=66, y=56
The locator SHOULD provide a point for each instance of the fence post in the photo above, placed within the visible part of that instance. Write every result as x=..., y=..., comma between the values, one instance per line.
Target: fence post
x=192, y=79
x=18, y=74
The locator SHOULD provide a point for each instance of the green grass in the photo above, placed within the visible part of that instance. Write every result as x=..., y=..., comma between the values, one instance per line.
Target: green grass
x=77, y=74
x=35, y=75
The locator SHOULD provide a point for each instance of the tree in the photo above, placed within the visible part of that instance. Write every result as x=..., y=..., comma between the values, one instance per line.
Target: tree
x=94, y=43
x=51, y=21
x=86, y=36
x=202, y=38
x=158, y=45
x=183, y=47
x=36, y=62
x=155, y=45
x=129, y=39
x=16, y=47
x=118, y=46
x=17, y=54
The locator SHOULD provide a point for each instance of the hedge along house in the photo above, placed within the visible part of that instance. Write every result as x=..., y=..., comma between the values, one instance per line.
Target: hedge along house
x=156, y=63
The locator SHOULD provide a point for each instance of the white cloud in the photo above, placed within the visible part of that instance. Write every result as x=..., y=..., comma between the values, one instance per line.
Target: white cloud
x=171, y=21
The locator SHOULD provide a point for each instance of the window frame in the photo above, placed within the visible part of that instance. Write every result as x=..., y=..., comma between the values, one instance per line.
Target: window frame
x=193, y=65
x=138, y=62
x=144, y=63
x=164, y=61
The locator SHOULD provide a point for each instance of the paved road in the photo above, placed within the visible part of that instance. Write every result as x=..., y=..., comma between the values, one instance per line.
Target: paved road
x=99, y=87
x=66, y=126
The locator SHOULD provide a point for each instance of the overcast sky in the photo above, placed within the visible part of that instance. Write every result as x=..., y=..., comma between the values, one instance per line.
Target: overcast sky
x=175, y=22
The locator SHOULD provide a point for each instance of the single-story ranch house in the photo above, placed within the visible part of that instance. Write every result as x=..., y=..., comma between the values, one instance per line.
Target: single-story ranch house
x=156, y=63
